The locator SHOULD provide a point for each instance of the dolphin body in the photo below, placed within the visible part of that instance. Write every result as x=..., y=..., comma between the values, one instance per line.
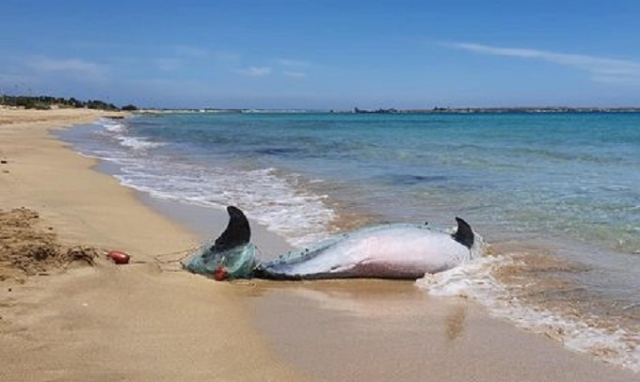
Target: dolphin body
x=392, y=251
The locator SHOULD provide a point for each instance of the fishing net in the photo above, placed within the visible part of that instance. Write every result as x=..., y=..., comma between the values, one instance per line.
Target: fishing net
x=237, y=262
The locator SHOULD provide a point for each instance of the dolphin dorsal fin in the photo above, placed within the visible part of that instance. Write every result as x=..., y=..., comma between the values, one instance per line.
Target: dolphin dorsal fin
x=464, y=234
x=238, y=231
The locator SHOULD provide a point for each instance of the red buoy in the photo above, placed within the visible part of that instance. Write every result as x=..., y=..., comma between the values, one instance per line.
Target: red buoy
x=220, y=274
x=119, y=257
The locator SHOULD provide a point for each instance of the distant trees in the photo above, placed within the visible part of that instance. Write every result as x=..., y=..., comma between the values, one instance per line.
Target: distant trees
x=129, y=108
x=47, y=102
x=100, y=105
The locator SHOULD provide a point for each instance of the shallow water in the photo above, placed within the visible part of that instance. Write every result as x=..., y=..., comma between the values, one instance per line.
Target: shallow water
x=548, y=187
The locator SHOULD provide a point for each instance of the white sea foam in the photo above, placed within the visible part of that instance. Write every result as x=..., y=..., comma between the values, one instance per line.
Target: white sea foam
x=119, y=131
x=138, y=143
x=112, y=125
x=475, y=280
x=268, y=198
x=298, y=216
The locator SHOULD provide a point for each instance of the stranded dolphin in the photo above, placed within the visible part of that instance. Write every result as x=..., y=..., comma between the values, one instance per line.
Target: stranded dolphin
x=393, y=251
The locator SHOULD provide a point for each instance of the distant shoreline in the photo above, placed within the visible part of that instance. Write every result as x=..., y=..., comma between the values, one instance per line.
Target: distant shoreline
x=437, y=110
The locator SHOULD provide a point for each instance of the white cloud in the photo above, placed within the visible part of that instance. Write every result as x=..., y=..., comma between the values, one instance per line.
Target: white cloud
x=256, y=71
x=69, y=65
x=600, y=68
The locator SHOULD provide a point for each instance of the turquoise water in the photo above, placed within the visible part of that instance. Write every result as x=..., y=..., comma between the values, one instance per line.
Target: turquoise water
x=565, y=184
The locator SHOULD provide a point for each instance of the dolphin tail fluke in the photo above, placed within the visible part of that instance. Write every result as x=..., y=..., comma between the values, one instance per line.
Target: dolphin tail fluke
x=464, y=234
x=238, y=231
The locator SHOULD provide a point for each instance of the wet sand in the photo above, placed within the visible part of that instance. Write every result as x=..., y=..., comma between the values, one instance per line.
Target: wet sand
x=389, y=330
x=150, y=321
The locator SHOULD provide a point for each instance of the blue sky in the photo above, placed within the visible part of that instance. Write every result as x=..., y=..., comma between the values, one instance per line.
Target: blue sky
x=324, y=53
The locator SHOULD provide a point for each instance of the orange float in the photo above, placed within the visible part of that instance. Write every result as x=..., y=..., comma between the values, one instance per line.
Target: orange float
x=220, y=274
x=119, y=257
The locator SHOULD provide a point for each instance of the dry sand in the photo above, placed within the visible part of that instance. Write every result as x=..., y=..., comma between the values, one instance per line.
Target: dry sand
x=143, y=321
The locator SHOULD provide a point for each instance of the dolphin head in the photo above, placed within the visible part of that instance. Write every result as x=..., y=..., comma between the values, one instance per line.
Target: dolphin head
x=231, y=255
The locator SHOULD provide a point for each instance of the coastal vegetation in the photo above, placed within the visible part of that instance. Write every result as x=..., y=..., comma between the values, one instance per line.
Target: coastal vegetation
x=49, y=102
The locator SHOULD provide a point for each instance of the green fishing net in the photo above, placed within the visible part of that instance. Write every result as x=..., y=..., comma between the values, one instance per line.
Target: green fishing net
x=238, y=262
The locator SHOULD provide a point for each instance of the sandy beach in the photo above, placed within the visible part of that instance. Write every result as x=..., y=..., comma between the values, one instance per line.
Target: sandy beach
x=136, y=322
x=150, y=321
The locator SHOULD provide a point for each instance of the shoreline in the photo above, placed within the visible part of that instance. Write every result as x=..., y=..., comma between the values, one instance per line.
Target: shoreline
x=137, y=322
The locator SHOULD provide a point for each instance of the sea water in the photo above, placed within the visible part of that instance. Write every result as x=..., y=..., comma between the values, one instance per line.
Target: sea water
x=555, y=195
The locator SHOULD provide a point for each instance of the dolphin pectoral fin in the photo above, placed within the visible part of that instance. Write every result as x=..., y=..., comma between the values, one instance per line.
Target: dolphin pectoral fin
x=464, y=234
x=238, y=231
